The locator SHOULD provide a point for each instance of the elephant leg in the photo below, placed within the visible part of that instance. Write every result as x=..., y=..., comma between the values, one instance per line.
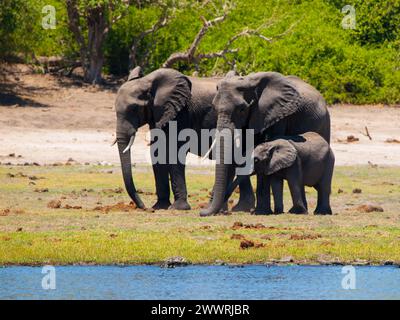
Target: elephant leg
x=277, y=191
x=178, y=183
x=324, y=189
x=263, y=195
x=246, y=200
x=303, y=194
x=162, y=186
x=296, y=187
x=323, y=206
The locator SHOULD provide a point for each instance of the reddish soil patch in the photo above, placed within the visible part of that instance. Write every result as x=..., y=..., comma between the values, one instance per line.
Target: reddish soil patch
x=246, y=244
x=239, y=225
x=54, y=204
x=120, y=206
x=304, y=236
x=67, y=206
x=369, y=208
x=237, y=236
x=202, y=205
x=5, y=212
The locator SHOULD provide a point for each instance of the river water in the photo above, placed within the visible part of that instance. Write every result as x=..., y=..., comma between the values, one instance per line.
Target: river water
x=200, y=282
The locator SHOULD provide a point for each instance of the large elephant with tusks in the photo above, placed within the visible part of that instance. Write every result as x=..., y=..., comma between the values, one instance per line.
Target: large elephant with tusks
x=272, y=105
x=156, y=99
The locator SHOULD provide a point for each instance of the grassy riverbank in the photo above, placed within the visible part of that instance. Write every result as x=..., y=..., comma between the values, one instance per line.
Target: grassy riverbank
x=73, y=214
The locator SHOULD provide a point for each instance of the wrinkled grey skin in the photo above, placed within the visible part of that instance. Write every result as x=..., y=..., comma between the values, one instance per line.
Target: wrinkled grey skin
x=303, y=160
x=156, y=99
x=271, y=104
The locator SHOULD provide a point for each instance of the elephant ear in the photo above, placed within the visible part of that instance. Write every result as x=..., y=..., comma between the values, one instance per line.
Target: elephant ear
x=135, y=73
x=277, y=99
x=284, y=154
x=172, y=93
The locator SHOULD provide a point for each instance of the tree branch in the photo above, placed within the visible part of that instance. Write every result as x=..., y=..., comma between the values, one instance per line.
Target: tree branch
x=162, y=21
x=189, y=55
x=74, y=21
x=115, y=19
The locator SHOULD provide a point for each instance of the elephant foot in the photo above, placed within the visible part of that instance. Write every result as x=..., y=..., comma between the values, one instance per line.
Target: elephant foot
x=261, y=211
x=323, y=211
x=278, y=210
x=244, y=205
x=161, y=205
x=298, y=210
x=180, y=205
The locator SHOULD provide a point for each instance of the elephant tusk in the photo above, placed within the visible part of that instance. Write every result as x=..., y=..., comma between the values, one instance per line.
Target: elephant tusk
x=209, y=150
x=114, y=142
x=128, y=147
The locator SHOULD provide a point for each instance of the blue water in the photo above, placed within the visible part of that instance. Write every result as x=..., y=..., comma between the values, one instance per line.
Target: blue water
x=200, y=282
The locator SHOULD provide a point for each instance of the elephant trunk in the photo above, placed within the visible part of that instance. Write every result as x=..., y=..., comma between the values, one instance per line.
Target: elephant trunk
x=221, y=169
x=123, y=142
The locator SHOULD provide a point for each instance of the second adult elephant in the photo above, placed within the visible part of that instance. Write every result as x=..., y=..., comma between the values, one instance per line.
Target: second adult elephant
x=156, y=99
x=272, y=105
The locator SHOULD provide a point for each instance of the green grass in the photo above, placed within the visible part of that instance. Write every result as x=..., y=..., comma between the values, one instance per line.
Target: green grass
x=31, y=233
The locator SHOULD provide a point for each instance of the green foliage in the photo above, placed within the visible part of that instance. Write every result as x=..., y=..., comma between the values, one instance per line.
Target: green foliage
x=377, y=21
x=21, y=29
x=354, y=66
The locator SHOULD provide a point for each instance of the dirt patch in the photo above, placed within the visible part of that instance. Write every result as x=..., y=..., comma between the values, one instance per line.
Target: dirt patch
x=304, y=236
x=237, y=236
x=120, y=206
x=349, y=139
x=392, y=141
x=147, y=193
x=246, y=244
x=116, y=190
x=202, y=205
x=67, y=206
x=5, y=212
x=54, y=204
x=369, y=208
x=239, y=225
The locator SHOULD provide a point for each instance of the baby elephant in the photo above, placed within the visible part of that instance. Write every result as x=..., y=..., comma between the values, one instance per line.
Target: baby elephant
x=302, y=160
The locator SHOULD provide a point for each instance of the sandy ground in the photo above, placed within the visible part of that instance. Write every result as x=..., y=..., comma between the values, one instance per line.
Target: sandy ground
x=47, y=120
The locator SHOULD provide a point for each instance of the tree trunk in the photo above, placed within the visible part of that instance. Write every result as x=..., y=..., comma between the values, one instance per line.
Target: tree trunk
x=97, y=24
x=93, y=73
x=91, y=51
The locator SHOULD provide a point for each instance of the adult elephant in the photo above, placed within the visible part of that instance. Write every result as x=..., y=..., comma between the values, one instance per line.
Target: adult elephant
x=270, y=103
x=156, y=99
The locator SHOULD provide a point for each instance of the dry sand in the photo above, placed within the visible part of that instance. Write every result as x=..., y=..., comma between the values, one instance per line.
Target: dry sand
x=46, y=120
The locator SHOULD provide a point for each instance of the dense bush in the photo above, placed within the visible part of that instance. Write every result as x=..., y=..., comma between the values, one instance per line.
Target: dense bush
x=356, y=66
